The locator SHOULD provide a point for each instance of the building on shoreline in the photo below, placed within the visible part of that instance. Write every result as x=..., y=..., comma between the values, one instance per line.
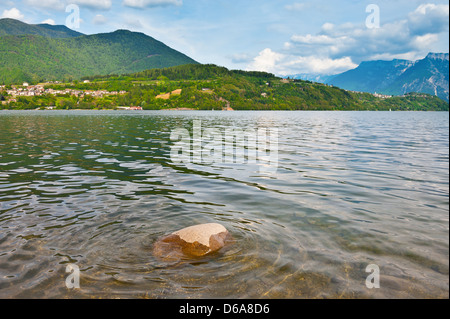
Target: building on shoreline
x=129, y=108
x=38, y=90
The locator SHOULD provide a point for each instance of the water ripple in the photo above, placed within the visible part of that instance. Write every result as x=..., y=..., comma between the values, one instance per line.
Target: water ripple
x=97, y=189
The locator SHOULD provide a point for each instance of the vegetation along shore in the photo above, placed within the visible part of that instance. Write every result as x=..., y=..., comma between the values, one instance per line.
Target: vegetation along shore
x=204, y=87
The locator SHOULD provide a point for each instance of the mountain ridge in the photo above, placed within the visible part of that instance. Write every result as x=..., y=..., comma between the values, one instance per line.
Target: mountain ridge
x=397, y=77
x=393, y=77
x=15, y=27
x=35, y=57
x=429, y=75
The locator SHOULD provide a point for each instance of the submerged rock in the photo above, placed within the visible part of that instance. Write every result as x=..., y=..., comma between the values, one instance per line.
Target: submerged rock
x=194, y=241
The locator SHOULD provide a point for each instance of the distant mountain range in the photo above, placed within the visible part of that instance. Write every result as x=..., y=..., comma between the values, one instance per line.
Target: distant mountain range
x=319, y=78
x=397, y=77
x=32, y=53
x=16, y=27
x=43, y=52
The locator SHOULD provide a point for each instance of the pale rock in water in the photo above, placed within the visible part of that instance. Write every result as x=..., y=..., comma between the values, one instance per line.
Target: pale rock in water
x=193, y=241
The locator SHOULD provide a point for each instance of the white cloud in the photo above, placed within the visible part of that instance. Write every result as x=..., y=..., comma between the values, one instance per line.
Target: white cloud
x=49, y=4
x=49, y=21
x=298, y=6
x=312, y=64
x=151, y=3
x=425, y=41
x=61, y=4
x=99, y=19
x=285, y=64
x=316, y=39
x=338, y=48
x=241, y=58
x=94, y=4
x=429, y=18
x=13, y=13
x=267, y=61
x=133, y=23
x=327, y=27
x=412, y=56
x=417, y=33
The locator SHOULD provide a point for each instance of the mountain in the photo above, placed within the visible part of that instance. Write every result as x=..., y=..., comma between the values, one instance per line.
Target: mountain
x=16, y=27
x=429, y=75
x=371, y=76
x=397, y=77
x=320, y=78
x=34, y=58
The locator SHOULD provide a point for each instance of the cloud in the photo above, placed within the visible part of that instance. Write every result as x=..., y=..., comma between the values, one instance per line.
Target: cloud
x=321, y=39
x=61, y=4
x=48, y=4
x=312, y=64
x=49, y=21
x=327, y=27
x=286, y=64
x=338, y=48
x=425, y=41
x=267, y=61
x=13, y=13
x=99, y=19
x=298, y=6
x=94, y=4
x=407, y=37
x=241, y=58
x=151, y=3
x=133, y=23
x=429, y=18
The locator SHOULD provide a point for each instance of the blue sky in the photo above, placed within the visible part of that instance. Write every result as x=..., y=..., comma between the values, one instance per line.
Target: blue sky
x=280, y=36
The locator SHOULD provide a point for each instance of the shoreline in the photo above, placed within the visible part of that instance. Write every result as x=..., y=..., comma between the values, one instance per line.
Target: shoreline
x=189, y=109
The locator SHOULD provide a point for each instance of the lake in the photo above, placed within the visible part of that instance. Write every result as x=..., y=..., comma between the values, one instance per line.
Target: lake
x=96, y=189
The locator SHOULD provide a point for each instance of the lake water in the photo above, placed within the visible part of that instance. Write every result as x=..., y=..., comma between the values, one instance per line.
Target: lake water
x=96, y=189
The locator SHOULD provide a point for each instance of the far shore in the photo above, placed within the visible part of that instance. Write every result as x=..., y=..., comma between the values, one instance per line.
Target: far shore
x=172, y=109
x=179, y=109
x=212, y=110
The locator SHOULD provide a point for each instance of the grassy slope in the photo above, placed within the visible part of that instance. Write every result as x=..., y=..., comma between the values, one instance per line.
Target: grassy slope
x=15, y=27
x=35, y=58
x=242, y=90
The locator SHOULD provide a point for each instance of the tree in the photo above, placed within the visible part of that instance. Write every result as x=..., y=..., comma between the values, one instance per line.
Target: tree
x=66, y=104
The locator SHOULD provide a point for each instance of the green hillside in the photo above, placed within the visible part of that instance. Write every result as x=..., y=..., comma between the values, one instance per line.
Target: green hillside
x=206, y=87
x=16, y=27
x=34, y=58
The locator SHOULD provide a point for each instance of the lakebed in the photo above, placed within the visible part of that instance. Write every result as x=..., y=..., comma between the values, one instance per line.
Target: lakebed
x=96, y=189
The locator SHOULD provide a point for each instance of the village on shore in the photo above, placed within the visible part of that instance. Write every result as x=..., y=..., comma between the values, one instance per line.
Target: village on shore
x=27, y=90
x=11, y=94
x=37, y=90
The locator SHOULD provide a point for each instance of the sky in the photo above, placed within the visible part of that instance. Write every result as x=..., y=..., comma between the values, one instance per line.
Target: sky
x=284, y=37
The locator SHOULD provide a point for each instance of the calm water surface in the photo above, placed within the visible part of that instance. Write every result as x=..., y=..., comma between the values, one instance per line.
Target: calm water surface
x=96, y=189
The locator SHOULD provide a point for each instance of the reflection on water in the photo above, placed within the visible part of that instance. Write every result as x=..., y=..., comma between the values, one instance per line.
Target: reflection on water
x=97, y=189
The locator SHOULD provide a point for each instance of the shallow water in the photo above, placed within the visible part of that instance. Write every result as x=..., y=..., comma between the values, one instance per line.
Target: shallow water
x=97, y=188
